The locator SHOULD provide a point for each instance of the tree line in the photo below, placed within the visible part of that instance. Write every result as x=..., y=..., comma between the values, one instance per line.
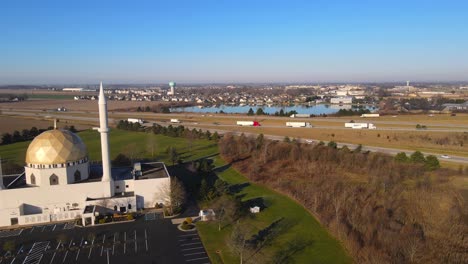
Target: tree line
x=260, y=111
x=27, y=134
x=171, y=131
x=385, y=209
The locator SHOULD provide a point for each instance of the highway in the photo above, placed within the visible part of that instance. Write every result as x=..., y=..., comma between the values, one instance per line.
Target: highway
x=219, y=129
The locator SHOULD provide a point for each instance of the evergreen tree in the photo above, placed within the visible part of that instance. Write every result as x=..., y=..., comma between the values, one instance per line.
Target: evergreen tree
x=417, y=157
x=7, y=139
x=401, y=157
x=432, y=163
x=260, y=111
x=250, y=112
x=215, y=136
x=332, y=144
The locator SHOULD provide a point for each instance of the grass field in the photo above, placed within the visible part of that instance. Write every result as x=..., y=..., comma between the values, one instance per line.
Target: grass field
x=134, y=144
x=319, y=246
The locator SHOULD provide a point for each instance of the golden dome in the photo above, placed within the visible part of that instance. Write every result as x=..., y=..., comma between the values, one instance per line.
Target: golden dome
x=56, y=147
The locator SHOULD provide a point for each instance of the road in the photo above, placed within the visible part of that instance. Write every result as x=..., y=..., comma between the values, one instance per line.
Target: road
x=390, y=151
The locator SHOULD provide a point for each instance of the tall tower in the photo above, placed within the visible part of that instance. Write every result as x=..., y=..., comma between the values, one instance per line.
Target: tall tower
x=104, y=131
x=172, y=85
x=407, y=83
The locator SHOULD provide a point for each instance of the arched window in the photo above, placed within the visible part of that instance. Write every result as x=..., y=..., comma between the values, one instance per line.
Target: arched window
x=53, y=180
x=33, y=179
x=77, y=176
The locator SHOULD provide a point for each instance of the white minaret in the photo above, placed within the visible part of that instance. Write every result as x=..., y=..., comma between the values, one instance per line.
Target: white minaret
x=104, y=130
x=407, y=83
x=2, y=187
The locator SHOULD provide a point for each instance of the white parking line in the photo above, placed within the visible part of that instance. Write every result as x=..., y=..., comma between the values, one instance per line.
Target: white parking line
x=188, y=244
x=66, y=253
x=135, y=242
x=146, y=240
x=32, y=229
x=188, y=235
x=77, y=254
x=19, y=250
x=113, y=244
x=13, y=260
x=198, y=253
x=43, y=228
x=53, y=229
x=185, y=249
x=125, y=241
x=70, y=243
x=195, y=238
x=196, y=259
x=52, y=259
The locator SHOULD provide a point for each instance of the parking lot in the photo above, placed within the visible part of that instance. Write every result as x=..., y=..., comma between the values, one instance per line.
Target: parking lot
x=191, y=248
x=150, y=239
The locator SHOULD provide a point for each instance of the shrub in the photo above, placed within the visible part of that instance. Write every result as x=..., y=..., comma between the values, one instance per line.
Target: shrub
x=102, y=221
x=188, y=220
x=130, y=217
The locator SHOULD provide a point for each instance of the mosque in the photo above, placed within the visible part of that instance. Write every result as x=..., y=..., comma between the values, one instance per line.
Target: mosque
x=60, y=184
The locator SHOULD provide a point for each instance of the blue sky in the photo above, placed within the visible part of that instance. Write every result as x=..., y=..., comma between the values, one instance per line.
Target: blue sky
x=48, y=42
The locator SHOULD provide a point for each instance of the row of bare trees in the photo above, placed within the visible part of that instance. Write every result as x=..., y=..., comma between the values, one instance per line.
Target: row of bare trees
x=384, y=211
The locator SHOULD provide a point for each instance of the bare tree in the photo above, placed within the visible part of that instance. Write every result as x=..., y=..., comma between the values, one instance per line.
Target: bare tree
x=173, y=193
x=226, y=209
x=238, y=240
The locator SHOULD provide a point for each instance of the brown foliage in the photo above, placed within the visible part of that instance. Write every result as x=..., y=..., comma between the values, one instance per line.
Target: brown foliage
x=383, y=211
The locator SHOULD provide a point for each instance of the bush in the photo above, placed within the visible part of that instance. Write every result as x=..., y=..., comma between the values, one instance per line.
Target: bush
x=102, y=221
x=188, y=220
x=130, y=217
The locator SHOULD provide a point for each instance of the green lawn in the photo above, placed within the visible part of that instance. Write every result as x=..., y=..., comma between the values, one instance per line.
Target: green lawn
x=135, y=144
x=302, y=227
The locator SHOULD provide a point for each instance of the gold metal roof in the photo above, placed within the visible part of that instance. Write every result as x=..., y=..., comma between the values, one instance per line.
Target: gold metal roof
x=56, y=147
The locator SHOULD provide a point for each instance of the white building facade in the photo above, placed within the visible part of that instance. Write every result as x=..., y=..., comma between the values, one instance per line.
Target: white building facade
x=59, y=184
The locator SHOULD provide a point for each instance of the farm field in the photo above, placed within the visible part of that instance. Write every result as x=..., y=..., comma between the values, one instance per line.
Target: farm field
x=9, y=124
x=46, y=102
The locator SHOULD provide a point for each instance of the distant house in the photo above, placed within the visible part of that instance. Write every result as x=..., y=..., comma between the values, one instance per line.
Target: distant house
x=341, y=100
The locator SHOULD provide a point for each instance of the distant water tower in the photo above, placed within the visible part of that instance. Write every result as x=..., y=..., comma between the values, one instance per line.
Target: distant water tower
x=172, y=85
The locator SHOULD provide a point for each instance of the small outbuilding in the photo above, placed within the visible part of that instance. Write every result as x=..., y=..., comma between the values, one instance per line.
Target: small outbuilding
x=255, y=210
x=207, y=215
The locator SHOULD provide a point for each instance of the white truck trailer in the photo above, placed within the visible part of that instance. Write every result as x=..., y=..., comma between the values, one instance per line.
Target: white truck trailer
x=300, y=115
x=135, y=120
x=360, y=125
x=298, y=124
x=175, y=120
x=370, y=115
x=248, y=123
